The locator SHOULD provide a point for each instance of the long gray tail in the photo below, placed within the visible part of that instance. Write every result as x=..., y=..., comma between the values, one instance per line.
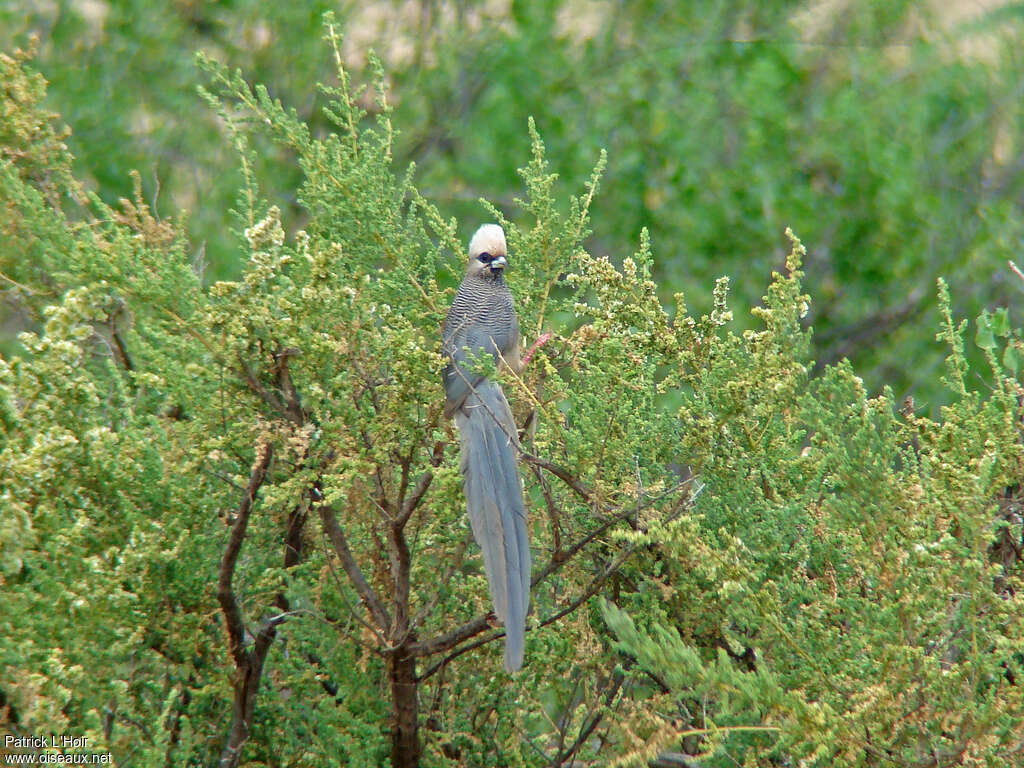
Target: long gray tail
x=494, y=498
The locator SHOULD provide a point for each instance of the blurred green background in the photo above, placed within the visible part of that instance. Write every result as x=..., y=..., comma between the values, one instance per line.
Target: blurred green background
x=887, y=134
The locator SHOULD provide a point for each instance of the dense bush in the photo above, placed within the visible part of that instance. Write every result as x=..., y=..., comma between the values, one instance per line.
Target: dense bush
x=232, y=523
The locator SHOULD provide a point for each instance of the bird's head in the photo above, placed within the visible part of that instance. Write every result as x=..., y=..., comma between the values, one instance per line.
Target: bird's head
x=488, y=255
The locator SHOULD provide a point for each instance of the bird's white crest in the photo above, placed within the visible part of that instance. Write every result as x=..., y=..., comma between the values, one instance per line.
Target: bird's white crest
x=490, y=238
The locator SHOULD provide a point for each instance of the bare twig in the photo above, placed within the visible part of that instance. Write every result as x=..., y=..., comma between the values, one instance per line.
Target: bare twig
x=248, y=664
x=381, y=642
x=612, y=686
x=479, y=625
x=591, y=589
x=561, y=473
x=121, y=350
x=442, y=583
x=409, y=503
x=449, y=640
x=292, y=403
x=256, y=386
x=355, y=575
x=225, y=592
x=552, y=509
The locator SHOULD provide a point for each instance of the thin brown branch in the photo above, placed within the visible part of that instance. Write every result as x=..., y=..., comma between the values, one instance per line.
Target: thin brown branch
x=565, y=720
x=222, y=477
x=552, y=509
x=248, y=664
x=121, y=351
x=256, y=386
x=561, y=473
x=464, y=649
x=408, y=504
x=381, y=642
x=591, y=589
x=225, y=591
x=369, y=384
x=612, y=687
x=412, y=501
x=559, y=559
x=405, y=465
x=355, y=575
x=449, y=640
x=400, y=559
x=442, y=583
x=291, y=401
x=24, y=288
x=292, y=547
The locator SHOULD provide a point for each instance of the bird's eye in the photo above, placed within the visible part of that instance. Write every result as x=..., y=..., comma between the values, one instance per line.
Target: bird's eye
x=485, y=258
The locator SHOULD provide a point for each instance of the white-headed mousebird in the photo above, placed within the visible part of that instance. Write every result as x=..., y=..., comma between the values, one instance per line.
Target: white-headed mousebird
x=482, y=321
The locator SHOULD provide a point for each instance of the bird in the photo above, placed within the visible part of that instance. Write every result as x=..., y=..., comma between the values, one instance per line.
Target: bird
x=482, y=321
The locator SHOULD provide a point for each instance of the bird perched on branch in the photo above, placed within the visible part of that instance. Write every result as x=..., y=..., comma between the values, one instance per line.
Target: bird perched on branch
x=482, y=321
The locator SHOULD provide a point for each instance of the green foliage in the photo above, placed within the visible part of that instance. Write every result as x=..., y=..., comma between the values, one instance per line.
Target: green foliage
x=789, y=570
x=125, y=76
x=865, y=127
x=845, y=558
x=884, y=132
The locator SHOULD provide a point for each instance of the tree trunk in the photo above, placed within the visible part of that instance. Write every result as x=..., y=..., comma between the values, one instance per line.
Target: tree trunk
x=405, y=740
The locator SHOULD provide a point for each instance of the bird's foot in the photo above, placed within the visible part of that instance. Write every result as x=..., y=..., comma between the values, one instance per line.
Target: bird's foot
x=543, y=339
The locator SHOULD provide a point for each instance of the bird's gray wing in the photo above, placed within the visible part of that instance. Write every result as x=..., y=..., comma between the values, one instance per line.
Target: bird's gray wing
x=463, y=347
